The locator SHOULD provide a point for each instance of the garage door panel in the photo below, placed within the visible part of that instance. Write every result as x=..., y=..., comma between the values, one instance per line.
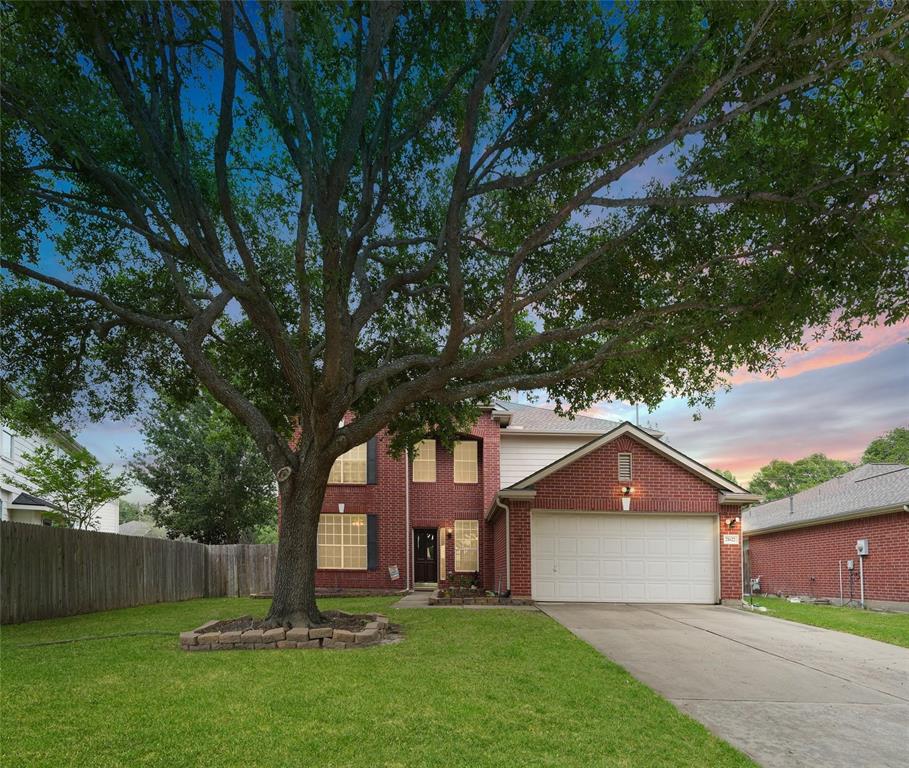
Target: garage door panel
x=657, y=569
x=679, y=547
x=567, y=568
x=634, y=546
x=568, y=545
x=589, y=546
x=623, y=558
x=657, y=546
x=611, y=546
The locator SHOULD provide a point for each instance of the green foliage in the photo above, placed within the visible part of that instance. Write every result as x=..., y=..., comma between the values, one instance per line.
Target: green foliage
x=77, y=485
x=208, y=480
x=890, y=448
x=587, y=101
x=266, y=534
x=727, y=474
x=130, y=510
x=783, y=478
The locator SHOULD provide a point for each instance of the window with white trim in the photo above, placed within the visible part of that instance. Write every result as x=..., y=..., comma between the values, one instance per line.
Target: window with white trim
x=465, y=461
x=341, y=542
x=6, y=444
x=624, y=466
x=350, y=467
x=467, y=550
x=424, y=462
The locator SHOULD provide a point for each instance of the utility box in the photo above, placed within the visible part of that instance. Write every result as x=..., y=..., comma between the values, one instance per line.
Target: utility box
x=850, y=565
x=861, y=547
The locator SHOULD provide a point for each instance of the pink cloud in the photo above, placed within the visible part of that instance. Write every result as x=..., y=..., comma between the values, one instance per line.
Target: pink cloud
x=828, y=353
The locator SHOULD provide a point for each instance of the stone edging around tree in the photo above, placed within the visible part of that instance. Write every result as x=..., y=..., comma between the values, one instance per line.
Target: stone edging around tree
x=375, y=631
x=436, y=600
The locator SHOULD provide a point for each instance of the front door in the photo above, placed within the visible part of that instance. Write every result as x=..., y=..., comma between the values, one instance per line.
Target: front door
x=425, y=556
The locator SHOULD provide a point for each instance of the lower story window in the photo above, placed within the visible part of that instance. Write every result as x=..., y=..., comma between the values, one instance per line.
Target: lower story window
x=466, y=536
x=342, y=542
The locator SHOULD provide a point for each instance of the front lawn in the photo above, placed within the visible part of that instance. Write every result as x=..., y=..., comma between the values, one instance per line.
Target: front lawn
x=887, y=627
x=465, y=688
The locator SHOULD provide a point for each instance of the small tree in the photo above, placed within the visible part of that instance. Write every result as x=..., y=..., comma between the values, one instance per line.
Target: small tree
x=783, y=478
x=131, y=510
x=889, y=448
x=209, y=480
x=77, y=485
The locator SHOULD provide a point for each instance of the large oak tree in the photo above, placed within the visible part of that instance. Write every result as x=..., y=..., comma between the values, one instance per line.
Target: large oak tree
x=397, y=210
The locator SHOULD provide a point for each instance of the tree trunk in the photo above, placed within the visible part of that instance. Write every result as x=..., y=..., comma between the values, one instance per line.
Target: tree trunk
x=294, y=599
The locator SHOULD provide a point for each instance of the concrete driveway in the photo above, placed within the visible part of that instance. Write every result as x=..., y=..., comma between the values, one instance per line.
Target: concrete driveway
x=786, y=694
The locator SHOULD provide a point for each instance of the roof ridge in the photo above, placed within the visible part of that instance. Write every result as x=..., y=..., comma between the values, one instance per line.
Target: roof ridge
x=899, y=468
x=560, y=415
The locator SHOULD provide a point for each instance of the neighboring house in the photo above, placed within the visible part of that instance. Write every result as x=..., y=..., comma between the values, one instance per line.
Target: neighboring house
x=144, y=528
x=544, y=506
x=802, y=545
x=17, y=504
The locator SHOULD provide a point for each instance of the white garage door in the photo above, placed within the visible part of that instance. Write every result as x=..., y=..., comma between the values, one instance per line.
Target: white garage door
x=623, y=558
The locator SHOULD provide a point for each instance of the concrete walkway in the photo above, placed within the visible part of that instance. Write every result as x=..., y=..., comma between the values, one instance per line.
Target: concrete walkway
x=414, y=600
x=784, y=693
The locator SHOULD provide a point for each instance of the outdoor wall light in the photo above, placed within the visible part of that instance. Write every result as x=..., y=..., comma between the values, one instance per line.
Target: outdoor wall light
x=627, y=490
x=732, y=521
x=340, y=508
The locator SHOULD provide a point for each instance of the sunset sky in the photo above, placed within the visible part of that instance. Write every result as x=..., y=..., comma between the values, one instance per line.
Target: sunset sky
x=834, y=399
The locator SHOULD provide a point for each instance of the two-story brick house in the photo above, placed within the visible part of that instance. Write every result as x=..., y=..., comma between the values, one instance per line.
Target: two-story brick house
x=544, y=506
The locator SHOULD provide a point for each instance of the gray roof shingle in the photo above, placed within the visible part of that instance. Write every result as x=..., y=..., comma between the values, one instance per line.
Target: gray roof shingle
x=868, y=487
x=533, y=418
x=27, y=500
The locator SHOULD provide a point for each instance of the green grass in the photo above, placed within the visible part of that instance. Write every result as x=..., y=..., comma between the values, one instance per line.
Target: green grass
x=465, y=688
x=878, y=625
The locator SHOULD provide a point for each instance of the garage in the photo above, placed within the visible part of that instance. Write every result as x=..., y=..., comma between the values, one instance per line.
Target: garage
x=636, y=558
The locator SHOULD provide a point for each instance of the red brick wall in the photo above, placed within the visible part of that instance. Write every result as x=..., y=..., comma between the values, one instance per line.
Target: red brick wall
x=660, y=485
x=432, y=505
x=520, y=547
x=385, y=499
x=805, y=561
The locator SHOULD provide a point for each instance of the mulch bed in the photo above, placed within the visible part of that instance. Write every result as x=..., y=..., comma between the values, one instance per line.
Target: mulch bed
x=334, y=619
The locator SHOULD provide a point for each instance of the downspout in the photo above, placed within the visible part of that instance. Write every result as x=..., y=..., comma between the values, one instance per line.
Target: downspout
x=407, y=581
x=507, y=542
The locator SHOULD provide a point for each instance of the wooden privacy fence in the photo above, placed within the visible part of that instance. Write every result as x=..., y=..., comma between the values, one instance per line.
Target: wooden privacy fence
x=240, y=570
x=50, y=572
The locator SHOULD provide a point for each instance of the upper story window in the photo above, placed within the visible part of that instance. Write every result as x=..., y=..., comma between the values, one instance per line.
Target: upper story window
x=424, y=462
x=624, y=466
x=350, y=467
x=6, y=444
x=465, y=461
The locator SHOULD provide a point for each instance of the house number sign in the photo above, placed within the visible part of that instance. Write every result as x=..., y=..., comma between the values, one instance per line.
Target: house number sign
x=730, y=538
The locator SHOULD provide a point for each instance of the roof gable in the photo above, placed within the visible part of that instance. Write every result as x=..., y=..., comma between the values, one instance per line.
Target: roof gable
x=627, y=428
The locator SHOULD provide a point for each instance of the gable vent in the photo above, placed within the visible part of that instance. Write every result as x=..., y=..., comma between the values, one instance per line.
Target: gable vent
x=624, y=466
